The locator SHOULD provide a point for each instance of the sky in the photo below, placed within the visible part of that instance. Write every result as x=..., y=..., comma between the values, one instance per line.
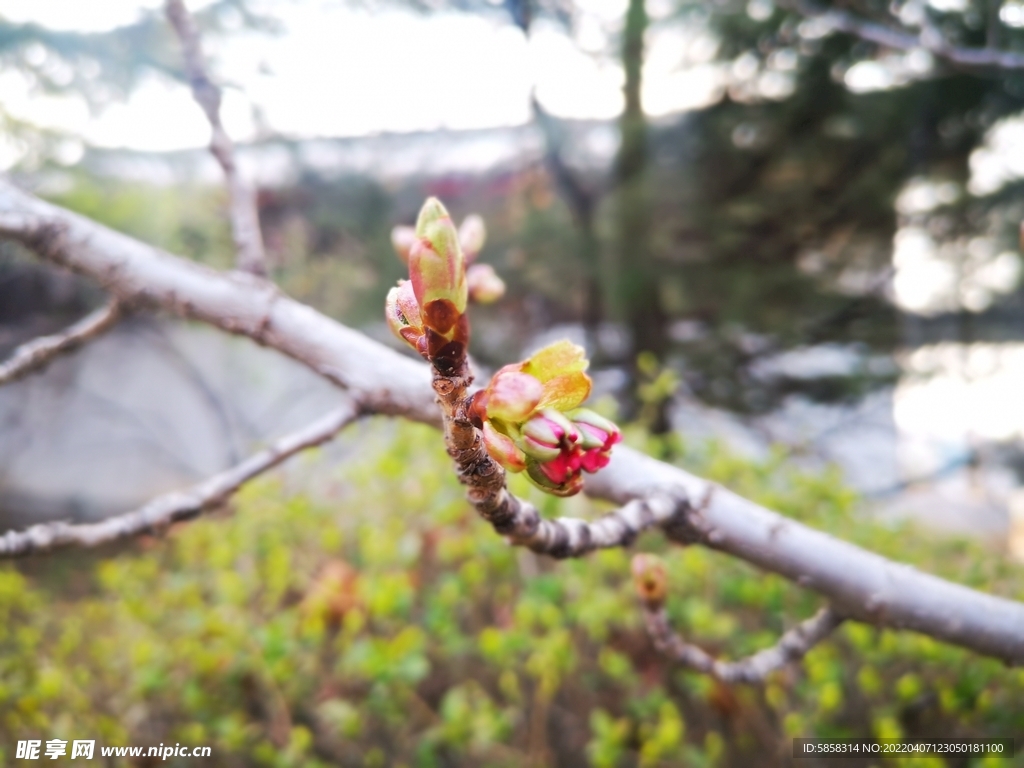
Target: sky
x=341, y=71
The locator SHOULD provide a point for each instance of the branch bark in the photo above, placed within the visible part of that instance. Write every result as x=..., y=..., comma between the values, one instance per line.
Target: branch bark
x=383, y=380
x=37, y=353
x=859, y=584
x=753, y=669
x=179, y=505
x=245, y=223
x=929, y=38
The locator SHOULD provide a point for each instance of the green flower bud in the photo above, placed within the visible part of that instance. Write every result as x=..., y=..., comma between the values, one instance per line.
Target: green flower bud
x=502, y=449
x=437, y=269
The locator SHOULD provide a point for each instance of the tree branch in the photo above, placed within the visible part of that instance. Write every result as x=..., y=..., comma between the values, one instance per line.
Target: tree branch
x=860, y=584
x=929, y=38
x=141, y=275
x=791, y=647
x=245, y=223
x=37, y=353
x=179, y=505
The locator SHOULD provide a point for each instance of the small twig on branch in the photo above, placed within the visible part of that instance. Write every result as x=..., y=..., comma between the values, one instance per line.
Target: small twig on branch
x=791, y=647
x=929, y=38
x=178, y=505
x=37, y=353
x=245, y=224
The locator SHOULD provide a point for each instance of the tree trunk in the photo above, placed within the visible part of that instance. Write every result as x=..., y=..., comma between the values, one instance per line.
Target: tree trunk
x=637, y=284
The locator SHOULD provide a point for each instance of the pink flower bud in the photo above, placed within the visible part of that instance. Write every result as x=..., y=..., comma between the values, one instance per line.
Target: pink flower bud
x=522, y=414
x=502, y=449
x=402, y=239
x=485, y=287
x=403, y=315
x=597, y=436
x=511, y=396
x=472, y=235
x=557, y=477
x=548, y=435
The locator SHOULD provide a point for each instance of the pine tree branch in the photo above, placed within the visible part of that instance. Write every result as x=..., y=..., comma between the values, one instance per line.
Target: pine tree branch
x=245, y=224
x=791, y=647
x=38, y=353
x=861, y=585
x=178, y=505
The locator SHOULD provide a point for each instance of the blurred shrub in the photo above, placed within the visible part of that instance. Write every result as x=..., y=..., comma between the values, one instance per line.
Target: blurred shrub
x=393, y=628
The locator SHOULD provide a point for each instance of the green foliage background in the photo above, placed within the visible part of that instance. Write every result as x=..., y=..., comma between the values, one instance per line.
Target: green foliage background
x=389, y=626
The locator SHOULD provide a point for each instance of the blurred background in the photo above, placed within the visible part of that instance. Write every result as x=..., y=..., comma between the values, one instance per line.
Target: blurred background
x=792, y=254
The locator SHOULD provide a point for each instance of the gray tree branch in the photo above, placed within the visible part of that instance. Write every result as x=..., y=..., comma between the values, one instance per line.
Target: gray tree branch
x=791, y=647
x=245, y=224
x=859, y=584
x=37, y=353
x=179, y=505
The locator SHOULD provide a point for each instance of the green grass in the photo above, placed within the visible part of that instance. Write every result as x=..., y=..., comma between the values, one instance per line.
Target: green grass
x=389, y=626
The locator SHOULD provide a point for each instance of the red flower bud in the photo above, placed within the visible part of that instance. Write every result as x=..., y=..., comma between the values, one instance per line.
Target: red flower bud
x=597, y=436
x=547, y=435
x=557, y=477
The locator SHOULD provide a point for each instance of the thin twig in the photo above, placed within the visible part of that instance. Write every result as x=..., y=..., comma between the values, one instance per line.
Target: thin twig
x=178, y=505
x=929, y=38
x=36, y=354
x=791, y=647
x=245, y=224
x=574, y=537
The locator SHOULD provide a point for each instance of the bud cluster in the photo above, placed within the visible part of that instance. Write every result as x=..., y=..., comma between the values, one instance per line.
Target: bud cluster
x=428, y=311
x=442, y=273
x=529, y=414
x=531, y=420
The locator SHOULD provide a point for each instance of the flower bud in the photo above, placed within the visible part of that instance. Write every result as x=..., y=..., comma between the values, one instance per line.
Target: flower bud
x=437, y=269
x=597, y=436
x=472, y=235
x=502, y=449
x=556, y=477
x=548, y=435
x=403, y=316
x=402, y=239
x=511, y=396
x=650, y=579
x=485, y=287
